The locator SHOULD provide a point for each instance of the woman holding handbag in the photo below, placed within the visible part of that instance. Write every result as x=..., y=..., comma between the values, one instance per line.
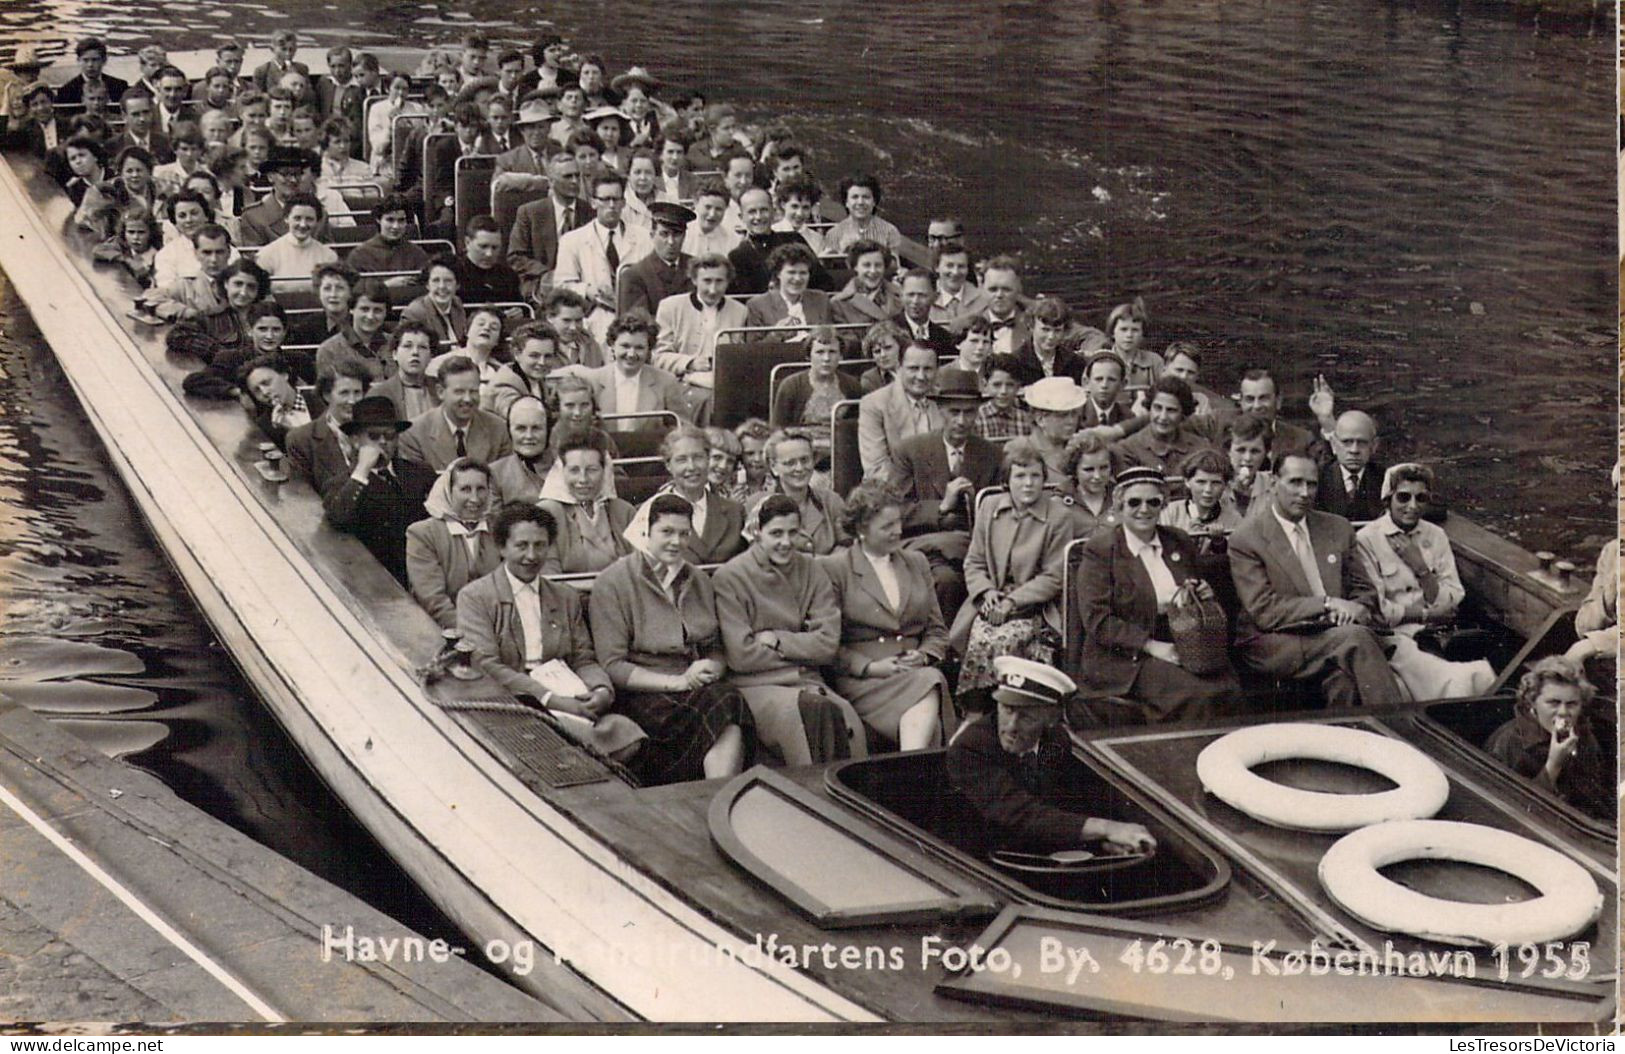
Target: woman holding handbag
x=1153, y=633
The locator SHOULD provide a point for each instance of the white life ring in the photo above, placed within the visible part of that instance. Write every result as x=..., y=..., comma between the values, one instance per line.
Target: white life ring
x=1569, y=900
x=1224, y=767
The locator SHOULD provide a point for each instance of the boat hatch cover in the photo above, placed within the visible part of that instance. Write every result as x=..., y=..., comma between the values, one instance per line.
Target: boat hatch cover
x=832, y=867
x=1163, y=763
x=1038, y=958
x=540, y=756
x=910, y=793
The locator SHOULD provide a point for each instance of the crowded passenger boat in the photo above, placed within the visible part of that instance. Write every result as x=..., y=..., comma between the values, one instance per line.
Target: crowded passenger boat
x=703, y=477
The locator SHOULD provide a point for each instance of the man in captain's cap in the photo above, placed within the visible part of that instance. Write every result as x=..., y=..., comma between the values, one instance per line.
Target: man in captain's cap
x=664, y=271
x=1012, y=772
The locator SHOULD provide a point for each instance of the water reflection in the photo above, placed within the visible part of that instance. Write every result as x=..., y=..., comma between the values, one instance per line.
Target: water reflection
x=97, y=634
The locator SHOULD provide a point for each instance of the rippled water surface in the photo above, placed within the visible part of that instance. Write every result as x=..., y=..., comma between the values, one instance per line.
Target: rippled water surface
x=1415, y=198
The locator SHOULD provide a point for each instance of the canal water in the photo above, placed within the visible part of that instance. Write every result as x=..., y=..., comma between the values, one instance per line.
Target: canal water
x=1415, y=198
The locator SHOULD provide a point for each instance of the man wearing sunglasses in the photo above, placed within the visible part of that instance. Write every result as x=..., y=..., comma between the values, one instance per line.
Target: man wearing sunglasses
x=1307, y=603
x=1418, y=589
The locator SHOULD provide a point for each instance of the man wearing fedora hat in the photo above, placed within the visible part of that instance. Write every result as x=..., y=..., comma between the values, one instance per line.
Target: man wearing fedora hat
x=664, y=271
x=938, y=474
x=383, y=494
x=267, y=220
x=525, y=166
x=1011, y=769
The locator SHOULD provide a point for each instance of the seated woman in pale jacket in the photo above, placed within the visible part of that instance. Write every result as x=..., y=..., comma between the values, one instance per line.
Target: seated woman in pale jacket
x=1410, y=562
x=454, y=545
x=530, y=636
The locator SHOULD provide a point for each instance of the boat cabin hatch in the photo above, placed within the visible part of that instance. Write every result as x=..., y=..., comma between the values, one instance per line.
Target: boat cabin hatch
x=910, y=793
x=834, y=868
x=1164, y=763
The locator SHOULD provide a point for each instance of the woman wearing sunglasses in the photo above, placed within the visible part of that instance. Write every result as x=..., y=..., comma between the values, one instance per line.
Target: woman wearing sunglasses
x=1126, y=582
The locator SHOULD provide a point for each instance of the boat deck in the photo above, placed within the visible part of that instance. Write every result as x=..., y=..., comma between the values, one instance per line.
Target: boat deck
x=121, y=902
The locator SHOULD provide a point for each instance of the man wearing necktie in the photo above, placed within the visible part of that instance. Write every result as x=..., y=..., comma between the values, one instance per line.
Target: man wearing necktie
x=897, y=411
x=919, y=291
x=1351, y=485
x=457, y=427
x=590, y=256
x=1306, y=602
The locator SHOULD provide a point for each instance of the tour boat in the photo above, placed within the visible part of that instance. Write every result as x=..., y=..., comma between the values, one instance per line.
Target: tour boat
x=837, y=893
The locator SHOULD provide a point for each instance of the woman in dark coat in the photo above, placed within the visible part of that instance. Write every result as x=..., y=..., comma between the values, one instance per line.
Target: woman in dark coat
x=1127, y=577
x=654, y=626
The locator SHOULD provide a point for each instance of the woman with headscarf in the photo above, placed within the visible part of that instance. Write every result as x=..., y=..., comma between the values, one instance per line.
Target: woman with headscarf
x=654, y=625
x=579, y=492
x=454, y=545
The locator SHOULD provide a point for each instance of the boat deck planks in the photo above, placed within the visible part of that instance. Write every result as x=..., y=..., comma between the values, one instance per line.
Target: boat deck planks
x=78, y=952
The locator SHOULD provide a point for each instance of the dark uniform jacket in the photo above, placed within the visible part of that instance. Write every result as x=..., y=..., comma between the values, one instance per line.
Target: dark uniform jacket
x=1014, y=797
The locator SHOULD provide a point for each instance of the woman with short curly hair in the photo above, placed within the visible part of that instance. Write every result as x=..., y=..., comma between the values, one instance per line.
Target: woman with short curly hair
x=1550, y=739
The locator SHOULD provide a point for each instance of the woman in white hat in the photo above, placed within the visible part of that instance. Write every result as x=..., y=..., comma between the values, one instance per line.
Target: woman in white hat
x=1055, y=402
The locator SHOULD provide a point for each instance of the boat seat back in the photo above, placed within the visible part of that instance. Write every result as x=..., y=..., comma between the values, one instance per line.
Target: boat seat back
x=472, y=195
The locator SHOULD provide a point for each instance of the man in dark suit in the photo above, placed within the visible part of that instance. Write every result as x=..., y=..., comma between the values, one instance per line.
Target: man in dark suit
x=919, y=293
x=1260, y=396
x=1306, y=602
x=140, y=117
x=383, y=494
x=533, y=246
x=1351, y=484
x=92, y=55
x=1048, y=352
x=1011, y=768
x=174, y=100
x=1103, y=379
x=338, y=93
x=320, y=451
x=284, y=45
x=938, y=475
x=750, y=256
x=664, y=272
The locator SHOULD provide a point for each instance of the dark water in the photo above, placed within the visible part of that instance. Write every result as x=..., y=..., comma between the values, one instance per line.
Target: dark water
x=98, y=634
x=1415, y=198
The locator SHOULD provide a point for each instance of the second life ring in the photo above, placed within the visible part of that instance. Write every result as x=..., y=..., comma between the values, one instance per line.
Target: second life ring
x=1569, y=899
x=1225, y=765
